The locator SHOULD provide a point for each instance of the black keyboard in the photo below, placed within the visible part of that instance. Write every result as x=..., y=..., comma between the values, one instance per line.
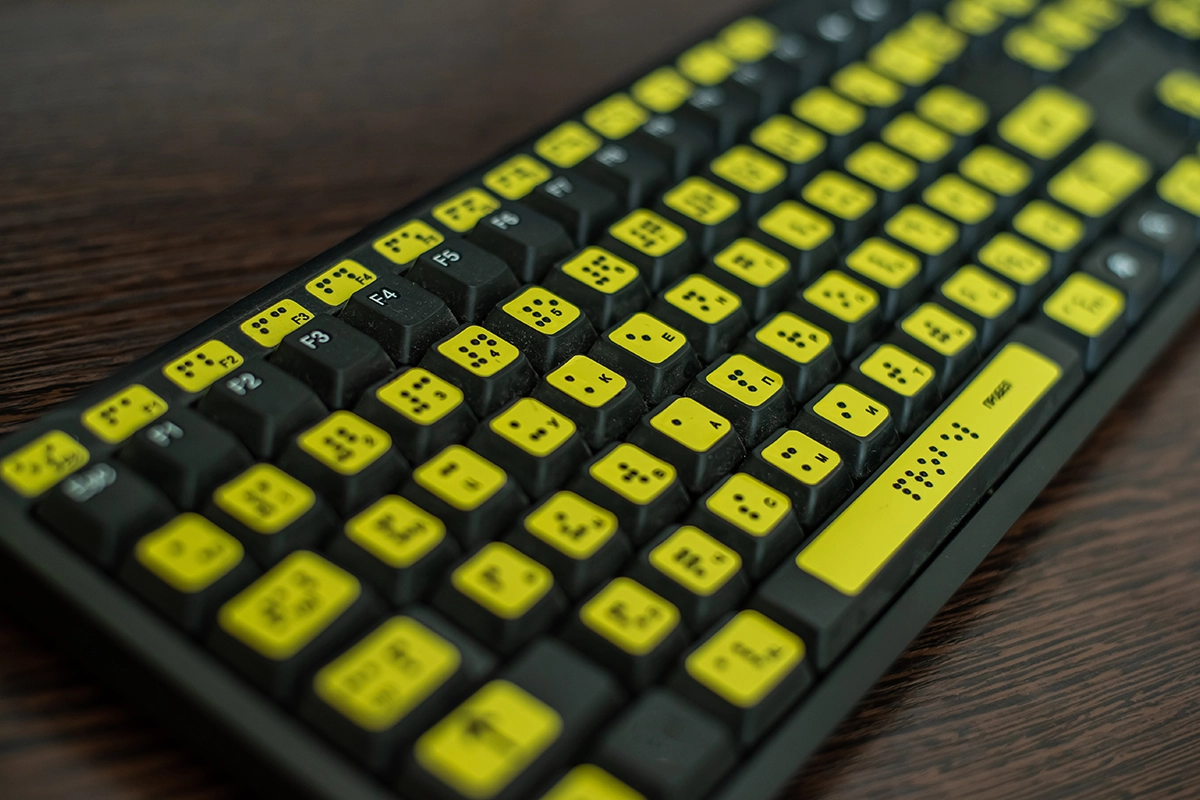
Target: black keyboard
x=624, y=465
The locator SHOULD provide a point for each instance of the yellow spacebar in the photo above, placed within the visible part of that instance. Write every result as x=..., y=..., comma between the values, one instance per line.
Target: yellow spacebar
x=855, y=545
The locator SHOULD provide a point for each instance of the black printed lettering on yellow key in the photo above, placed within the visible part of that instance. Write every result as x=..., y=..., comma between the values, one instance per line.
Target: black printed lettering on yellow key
x=641, y=489
x=473, y=497
x=892, y=175
x=971, y=208
x=900, y=380
x=754, y=519
x=467, y=278
x=1023, y=266
x=811, y=474
x=710, y=214
x=758, y=180
x=845, y=307
x=750, y=394
x=489, y=369
x=604, y=286
x=600, y=401
x=656, y=357
x=577, y=540
x=855, y=425
x=532, y=442
x=983, y=300
x=931, y=236
x=547, y=328
x=701, y=444
x=802, y=353
x=659, y=248
x=701, y=576
x=803, y=236
x=893, y=272
x=708, y=314
x=420, y=411
x=762, y=278
x=851, y=204
x=944, y=340
x=1088, y=313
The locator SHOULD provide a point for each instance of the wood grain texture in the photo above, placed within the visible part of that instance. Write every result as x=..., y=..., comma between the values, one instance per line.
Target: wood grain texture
x=160, y=159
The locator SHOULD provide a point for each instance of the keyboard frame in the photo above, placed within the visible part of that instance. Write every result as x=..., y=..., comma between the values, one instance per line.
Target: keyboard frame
x=89, y=614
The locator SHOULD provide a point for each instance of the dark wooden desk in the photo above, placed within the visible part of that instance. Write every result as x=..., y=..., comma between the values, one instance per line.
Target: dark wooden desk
x=160, y=159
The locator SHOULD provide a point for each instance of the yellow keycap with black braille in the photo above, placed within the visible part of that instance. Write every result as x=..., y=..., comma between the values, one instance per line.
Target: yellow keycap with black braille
x=630, y=616
x=663, y=90
x=706, y=64
x=123, y=414
x=616, y=117
x=335, y=285
x=885, y=169
x=751, y=517
x=860, y=428
x=601, y=270
x=747, y=658
x=997, y=171
x=1100, y=180
x=1026, y=267
x=841, y=296
x=460, y=477
x=749, y=261
x=755, y=176
x=961, y=201
x=794, y=338
x=937, y=328
x=533, y=426
x=189, y=553
x=643, y=490
x=1181, y=185
x=265, y=499
x=701, y=576
x=931, y=235
x=505, y=581
x=396, y=531
x=812, y=474
x=633, y=473
x=978, y=292
x=843, y=197
x=345, y=442
x=572, y=525
x=850, y=409
x=791, y=140
x=1088, y=312
x=894, y=58
x=420, y=396
x=410, y=240
x=479, y=351
x=1046, y=123
x=567, y=144
x=1179, y=91
x=708, y=314
x=463, y=210
x=892, y=271
x=748, y=40
x=833, y=115
x=866, y=87
x=589, y=782
x=953, y=110
x=200, y=368
x=648, y=338
x=897, y=370
x=915, y=137
x=1052, y=227
x=692, y=424
x=899, y=380
x=654, y=244
x=1024, y=44
x=39, y=465
x=275, y=322
x=587, y=381
x=745, y=380
x=516, y=177
x=799, y=233
x=702, y=201
x=802, y=457
x=749, y=504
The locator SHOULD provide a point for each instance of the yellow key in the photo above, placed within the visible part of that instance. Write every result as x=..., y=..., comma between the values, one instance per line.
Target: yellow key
x=851, y=410
x=1181, y=17
x=460, y=477
x=601, y=270
x=913, y=136
x=702, y=200
x=588, y=381
x=461, y=212
x=479, y=351
x=1054, y=25
x=901, y=372
x=692, y=424
x=752, y=262
x=533, y=426
x=1103, y=15
x=516, y=177
x=937, y=328
x=748, y=657
x=345, y=442
x=884, y=263
x=749, y=504
x=995, y=170
x=787, y=138
x=829, y=112
x=270, y=326
x=1085, y=304
x=1049, y=226
x=649, y=233
x=842, y=296
x=572, y=525
x=630, y=616
x=797, y=226
x=396, y=531
x=1181, y=185
x=1099, y=180
x=1046, y=123
x=695, y=560
x=616, y=117
x=839, y=195
x=749, y=169
x=410, y=240
x=1013, y=8
x=663, y=90
x=931, y=36
x=487, y=741
x=123, y=414
x=894, y=58
x=922, y=230
x=648, y=338
x=973, y=17
x=391, y=671
x=802, y=457
x=748, y=40
x=746, y=380
x=705, y=64
x=335, y=285
x=589, y=782
x=567, y=145
x=794, y=338
x=1025, y=45
x=200, y=368
x=265, y=499
x=284, y=610
x=420, y=396
x=189, y=553
x=42, y=463
x=703, y=298
x=963, y=202
x=978, y=292
x=882, y=167
x=633, y=473
x=866, y=87
x=1015, y=258
x=542, y=310
x=1179, y=90
x=503, y=580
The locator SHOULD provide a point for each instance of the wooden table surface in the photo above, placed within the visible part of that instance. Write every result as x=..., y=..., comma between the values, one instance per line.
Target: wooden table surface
x=160, y=159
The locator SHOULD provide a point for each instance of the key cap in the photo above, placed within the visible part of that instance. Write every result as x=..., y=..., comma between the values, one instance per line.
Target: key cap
x=589, y=781
x=891, y=175
x=605, y=287
x=845, y=308
x=1164, y=230
x=986, y=302
x=800, y=147
x=708, y=314
x=401, y=246
x=577, y=540
x=932, y=237
x=941, y=339
x=1023, y=266
x=334, y=286
x=710, y=214
x=347, y=459
x=262, y=405
x=901, y=381
x=698, y=442
x=537, y=445
x=893, y=58
x=289, y=620
x=187, y=568
x=602, y=404
x=700, y=576
x=376, y=697
x=723, y=113
x=747, y=393
x=468, y=278
x=1046, y=127
x=270, y=512
x=489, y=370
x=747, y=674
x=750, y=517
x=1132, y=269
x=268, y=327
x=1089, y=313
x=802, y=353
x=630, y=630
x=877, y=95
x=517, y=176
x=675, y=141
x=526, y=240
x=546, y=703
x=547, y=328
x=877, y=16
x=842, y=578
x=633, y=175
x=582, y=207
x=842, y=122
x=762, y=278
x=473, y=497
x=32, y=469
x=396, y=546
x=659, y=248
x=203, y=366
x=1061, y=233
x=335, y=359
x=655, y=357
x=666, y=748
x=1178, y=96
x=1098, y=183
x=1003, y=174
x=800, y=234
x=856, y=425
x=971, y=208
x=1044, y=58
x=962, y=115
x=116, y=418
x=404, y=318
x=567, y=144
x=814, y=476
x=185, y=456
x=462, y=211
x=892, y=272
x=643, y=491
x=102, y=508
x=420, y=411
x=757, y=179
x=851, y=205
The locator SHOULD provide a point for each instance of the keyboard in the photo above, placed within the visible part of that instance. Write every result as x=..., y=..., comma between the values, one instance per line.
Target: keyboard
x=624, y=465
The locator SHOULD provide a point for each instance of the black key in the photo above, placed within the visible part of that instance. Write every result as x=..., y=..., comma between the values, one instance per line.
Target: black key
x=1089, y=313
x=982, y=299
x=1164, y=229
x=633, y=175
x=187, y=568
x=548, y=329
x=641, y=489
x=538, y=446
x=468, y=278
x=102, y=508
x=584, y=208
x=813, y=475
x=393, y=683
x=605, y=287
x=489, y=370
x=335, y=359
x=752, y=518
x=708, y=314
x=801, y=352
x=702, y=577
x=761, y=277
x=404, y=318
x=855, y=425
x=656, y=357
x=601, y=402
x=941, y=339
x=724, y=113
x=422, y=412
x=527, y=241
x=675, y=142
x=1131, y=268
x=185, y=456
x=843, y=36
x=666, y=748
x=701, y=444
x=262, y=405
x=749, y=394
x=769, y=82
x=900, y=380
x=877, y=16
x=347, y=459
